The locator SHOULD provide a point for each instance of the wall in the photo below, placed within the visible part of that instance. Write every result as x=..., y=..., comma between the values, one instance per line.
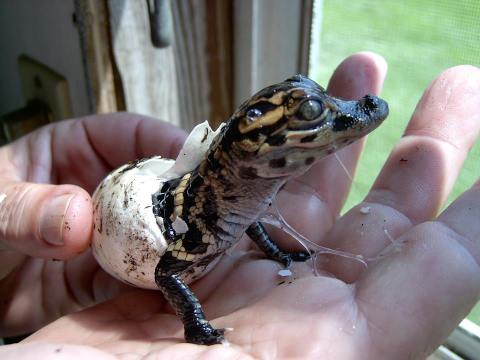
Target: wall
x=44, y=30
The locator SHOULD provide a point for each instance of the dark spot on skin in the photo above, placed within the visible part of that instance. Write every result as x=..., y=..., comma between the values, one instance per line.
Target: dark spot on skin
x=308, y=138
x=370, y=104
x=57, y=350
x=403, y=160
x=210, y=207
x=343, y=122
x=278, y=163
x=309, y=160
x=276, y=140
x=248, y=173
x=192, y=242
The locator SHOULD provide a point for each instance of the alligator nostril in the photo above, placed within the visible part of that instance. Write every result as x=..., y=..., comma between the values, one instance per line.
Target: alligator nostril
x=373, y=106
x=370, y=102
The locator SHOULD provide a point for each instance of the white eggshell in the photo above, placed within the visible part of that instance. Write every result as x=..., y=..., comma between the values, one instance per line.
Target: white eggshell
x=127, y=239
x=127, y=242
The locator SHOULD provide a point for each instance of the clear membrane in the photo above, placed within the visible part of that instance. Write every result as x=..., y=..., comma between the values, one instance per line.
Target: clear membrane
x=275, y=218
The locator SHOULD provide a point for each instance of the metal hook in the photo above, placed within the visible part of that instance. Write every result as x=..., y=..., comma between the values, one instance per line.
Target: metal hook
x=160, y=23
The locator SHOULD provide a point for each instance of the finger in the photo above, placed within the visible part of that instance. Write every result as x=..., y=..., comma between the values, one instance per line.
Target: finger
x=50, y=350
x=323, y=190
x=47, y=221
x=138, y=136
x=83, y=151
x=418, y=295
x=420, y=172
x=113, y=140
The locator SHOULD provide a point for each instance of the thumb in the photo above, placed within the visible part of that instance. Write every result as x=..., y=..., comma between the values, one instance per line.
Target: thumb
x=46, y=221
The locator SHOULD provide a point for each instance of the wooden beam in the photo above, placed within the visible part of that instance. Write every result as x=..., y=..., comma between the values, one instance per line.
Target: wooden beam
x=219, y=18
x=104, y=86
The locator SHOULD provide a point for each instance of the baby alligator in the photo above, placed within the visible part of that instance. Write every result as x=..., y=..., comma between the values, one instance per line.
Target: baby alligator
x=275, y=135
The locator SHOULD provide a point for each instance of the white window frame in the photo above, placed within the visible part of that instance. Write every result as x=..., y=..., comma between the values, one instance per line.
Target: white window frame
x=464, y=341
x=271, y=43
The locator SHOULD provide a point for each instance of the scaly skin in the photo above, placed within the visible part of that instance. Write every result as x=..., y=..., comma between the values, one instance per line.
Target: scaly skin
x=275, y=135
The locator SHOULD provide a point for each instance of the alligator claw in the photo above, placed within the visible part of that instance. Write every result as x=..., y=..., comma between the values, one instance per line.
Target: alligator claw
x=204, y=335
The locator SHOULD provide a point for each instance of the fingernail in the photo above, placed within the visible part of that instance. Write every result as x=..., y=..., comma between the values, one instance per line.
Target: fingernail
x=53, y=218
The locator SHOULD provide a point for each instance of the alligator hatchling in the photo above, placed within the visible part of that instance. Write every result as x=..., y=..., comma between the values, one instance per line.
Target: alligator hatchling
x=161, y=224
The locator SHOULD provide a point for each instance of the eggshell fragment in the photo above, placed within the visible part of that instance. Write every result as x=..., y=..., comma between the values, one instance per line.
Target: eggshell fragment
x=127, y=242
x=285, y=273
x=128, y=239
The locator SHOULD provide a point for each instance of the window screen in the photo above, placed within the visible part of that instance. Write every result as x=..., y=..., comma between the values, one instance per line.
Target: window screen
x=419, y=39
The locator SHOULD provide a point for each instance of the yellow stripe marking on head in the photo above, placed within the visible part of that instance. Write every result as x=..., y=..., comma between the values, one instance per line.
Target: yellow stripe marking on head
x=269, y=118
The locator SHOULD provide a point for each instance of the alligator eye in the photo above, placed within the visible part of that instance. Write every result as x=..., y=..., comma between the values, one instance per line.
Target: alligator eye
x=253, y=114
x=310, y=110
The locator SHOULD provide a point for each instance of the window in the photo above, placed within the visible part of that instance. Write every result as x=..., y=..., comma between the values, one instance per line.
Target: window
x=419, y=39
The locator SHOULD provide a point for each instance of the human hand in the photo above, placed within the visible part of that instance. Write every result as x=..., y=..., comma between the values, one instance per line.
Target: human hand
x=401, y=306
x=40, y=223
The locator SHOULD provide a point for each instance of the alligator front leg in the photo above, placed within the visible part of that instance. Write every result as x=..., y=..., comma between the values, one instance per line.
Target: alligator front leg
x=187, y=307
x=259, y=235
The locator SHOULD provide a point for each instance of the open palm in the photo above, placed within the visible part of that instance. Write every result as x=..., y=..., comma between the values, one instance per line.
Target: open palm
x=402, y=306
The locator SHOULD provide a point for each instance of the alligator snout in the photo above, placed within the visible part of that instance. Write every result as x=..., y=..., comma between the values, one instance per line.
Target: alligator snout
x=374, y=107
